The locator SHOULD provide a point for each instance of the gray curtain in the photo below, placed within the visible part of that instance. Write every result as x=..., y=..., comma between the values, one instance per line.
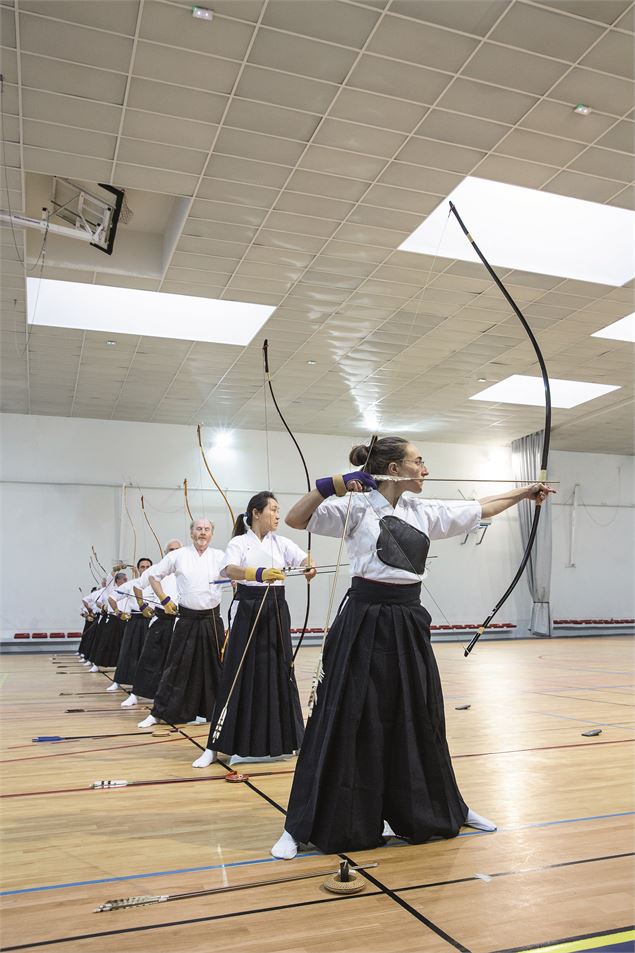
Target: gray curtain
x=526, y=464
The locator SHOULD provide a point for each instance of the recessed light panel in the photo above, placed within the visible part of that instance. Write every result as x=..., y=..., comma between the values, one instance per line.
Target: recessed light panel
x=519, y=389
x=70, y=304
x=533, y=231
x=622, y=330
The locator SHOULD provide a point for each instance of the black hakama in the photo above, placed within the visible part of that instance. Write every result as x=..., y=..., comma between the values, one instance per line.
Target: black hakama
x=87, y=636
x=107, y=644
x=153, y=656
x=134, y=635
x=264, y=716
x=191, y=676
x=375, y=746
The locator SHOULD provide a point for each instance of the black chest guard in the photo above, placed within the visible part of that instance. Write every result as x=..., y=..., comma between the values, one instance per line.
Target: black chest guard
x=402, y=546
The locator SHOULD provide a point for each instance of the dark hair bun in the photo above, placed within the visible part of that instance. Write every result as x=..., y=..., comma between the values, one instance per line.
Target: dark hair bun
x=358, y=455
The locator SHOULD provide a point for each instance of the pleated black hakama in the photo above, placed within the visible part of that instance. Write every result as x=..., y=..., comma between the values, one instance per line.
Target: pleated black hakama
x=107, y=644
x=154, y=654
x=264, y=716
x=134, y=635
x=375, y=747
x=191, y=675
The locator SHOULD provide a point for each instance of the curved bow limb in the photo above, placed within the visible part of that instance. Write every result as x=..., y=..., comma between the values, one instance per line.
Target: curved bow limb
x=187, y=501
x=542, y=477
x=132, y=526
x=265, y=359
x=212, y=477
x=147, y=519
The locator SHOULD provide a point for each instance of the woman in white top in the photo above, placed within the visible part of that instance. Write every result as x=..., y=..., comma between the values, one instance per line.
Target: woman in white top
x=375, y=749
x=258, y=686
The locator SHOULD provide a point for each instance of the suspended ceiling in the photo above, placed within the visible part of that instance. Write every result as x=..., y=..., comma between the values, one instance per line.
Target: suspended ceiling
x=280, y=155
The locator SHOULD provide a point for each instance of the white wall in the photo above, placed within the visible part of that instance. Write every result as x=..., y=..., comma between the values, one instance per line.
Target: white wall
x=61, y=494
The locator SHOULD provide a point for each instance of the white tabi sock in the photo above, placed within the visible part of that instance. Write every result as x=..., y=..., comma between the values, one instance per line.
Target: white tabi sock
x=208, y=757
x=93, y=668
x=387, y=831
x=199, y=720
x=148, y=722
x=129, y=702
x=113, y=688
x=286, y=848
x=265, y=758
x=477, y=822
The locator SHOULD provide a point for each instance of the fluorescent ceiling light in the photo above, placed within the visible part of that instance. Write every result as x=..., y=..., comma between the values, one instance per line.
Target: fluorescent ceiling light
x=519, y=389
x=622, y=330
x=533, y=231
x=70, y=304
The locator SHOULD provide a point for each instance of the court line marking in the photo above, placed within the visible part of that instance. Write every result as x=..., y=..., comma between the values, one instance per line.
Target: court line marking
x=573, y=942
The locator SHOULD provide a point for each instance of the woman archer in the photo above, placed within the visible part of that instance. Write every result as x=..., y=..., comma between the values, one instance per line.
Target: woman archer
x=257, y=713
x=375, y=750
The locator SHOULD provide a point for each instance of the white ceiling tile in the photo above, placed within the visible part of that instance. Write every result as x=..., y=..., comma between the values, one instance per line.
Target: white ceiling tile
x=559, y=119
x=609, y=94
x=538, y=148
x=621, y=136
x=176, y=132
x=545, y=31
x=402, y=199
x=365, y=235
x=175, y=26
x=252, y=145
x=339, y=162
x=239, y=9
x=120, y=17
x=60, y=163
x=294, y=54
x=335, y=186
x=221, y=231
x=606, y=11
x=421, y=44
x=9, y=65
x=580, y=186
x=431, y=181
x=485, y=100
x=513, y=68
x=313, y=205
x=75, y=44
x=461, y=130
x=7, y=27
x=385, y=218
x=627, y=21
x=301, y=224
x=375, y=110
x=176, y=101
x=159, y=156
x=401, y=80
x=237, y=193
x=282, y=89
x=184, y=68
x=64, y=139
x=272, y=120
x=477, y=16
x=604, y=162
x=223, y=212
x=152, y=180
x=531, y=175
x=53, y=76
x=70, y=111
x=613, y=54
x=290, y=241
x=261, y=176
x=624, y=199
x=323, y=20
x=358, y=138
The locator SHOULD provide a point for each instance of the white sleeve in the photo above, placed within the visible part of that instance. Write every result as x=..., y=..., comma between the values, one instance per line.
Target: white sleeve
x=330, y=516
x=233, y=556
x=163, y=568
x=292, y=554
x=445, y=518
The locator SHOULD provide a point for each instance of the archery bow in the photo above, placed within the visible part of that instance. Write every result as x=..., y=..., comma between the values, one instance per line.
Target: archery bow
x=547, y=428
x=145, y=516
x=134, y=532
x=212, y=477
x=187, y=502
x=265, y=358
x=105, y=571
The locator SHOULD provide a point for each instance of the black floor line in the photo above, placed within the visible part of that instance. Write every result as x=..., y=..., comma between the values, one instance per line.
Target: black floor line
x=190, y=920
x=566, y=939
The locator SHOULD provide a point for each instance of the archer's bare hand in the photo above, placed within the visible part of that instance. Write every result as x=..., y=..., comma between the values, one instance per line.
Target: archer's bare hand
x=538, y=492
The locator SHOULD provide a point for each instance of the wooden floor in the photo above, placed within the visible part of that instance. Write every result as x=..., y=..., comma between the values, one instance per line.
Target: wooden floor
x=560, y=866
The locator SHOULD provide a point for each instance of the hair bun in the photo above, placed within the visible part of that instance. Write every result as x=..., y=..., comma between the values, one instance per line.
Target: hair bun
x=359, y=455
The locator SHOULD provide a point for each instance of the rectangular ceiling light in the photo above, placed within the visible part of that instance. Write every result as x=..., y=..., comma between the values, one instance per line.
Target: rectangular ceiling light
x=533, y=231
x=622, y=330
x=70, y=304
x=519, y=389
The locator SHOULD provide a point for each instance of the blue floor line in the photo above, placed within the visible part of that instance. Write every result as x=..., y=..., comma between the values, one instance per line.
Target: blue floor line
x=269, y=860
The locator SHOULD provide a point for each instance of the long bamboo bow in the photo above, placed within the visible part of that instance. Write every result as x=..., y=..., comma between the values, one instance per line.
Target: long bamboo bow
x=547, y=429
x=212, y=477
x=146, y=518
x=187, y=502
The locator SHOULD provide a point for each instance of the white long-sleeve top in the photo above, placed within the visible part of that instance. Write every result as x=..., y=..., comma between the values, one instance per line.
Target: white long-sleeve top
x=272, y=552
x=438, y=519
x=195, y=575
x=125, y=598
